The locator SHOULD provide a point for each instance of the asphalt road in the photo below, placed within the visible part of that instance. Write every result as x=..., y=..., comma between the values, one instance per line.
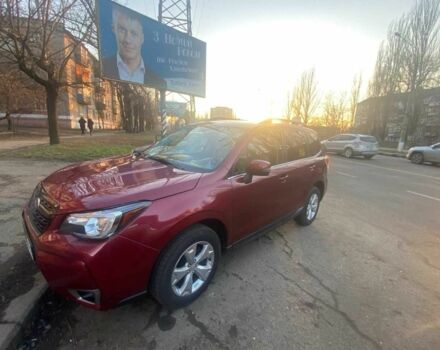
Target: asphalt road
x=365, y=275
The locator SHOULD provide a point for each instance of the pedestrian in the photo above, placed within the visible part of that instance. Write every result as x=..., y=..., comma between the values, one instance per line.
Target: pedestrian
x=82, y=124
x=90, y=125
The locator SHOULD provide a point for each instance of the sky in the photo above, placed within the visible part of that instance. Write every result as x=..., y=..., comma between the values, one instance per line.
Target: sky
x=257, y=49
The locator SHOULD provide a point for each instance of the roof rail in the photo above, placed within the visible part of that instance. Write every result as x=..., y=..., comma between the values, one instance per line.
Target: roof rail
x=275, y=121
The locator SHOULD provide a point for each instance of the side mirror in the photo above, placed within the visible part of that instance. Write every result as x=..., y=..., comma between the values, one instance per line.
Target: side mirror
x=257, y=168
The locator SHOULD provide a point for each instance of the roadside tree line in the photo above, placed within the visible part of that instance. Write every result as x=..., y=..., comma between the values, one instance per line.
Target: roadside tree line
x=408, y=61
x=335, y=110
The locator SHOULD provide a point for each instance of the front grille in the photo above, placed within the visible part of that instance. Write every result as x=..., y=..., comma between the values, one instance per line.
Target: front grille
x=41, y=210
x=40, y=222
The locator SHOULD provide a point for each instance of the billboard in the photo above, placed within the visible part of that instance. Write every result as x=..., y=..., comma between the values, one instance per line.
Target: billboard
x=176, y=109
x=136, y=49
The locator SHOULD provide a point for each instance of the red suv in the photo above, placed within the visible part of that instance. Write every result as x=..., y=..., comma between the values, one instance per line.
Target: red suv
x=105, y=231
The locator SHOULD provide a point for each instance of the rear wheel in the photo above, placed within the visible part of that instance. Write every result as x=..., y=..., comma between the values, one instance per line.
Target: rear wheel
x=417, y=158
x=348, y=153
x=186, y=267
x=310, y=210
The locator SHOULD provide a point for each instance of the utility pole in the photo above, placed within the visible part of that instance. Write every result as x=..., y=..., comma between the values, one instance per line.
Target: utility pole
x=176, y=14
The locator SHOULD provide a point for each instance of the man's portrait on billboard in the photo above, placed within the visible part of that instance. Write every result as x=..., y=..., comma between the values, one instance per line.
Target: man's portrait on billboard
x=127, y=64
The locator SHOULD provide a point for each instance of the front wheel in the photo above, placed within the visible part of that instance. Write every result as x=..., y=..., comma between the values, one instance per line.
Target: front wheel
x=417, y=158
x=348, y=153
x=310, y=210
x=186, y=267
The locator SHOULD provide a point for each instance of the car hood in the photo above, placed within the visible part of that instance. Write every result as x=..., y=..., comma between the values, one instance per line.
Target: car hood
x=115, y=181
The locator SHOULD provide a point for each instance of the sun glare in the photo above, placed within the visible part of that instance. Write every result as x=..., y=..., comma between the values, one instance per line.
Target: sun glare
x=252, y=67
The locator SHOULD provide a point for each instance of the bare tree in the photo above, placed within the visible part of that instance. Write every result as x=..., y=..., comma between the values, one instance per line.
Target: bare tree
x=29, y=31
x=421, y=67
x=335, y=109
x=409, y=60
x=354, y=96
x=387, y=76
x=305, y=96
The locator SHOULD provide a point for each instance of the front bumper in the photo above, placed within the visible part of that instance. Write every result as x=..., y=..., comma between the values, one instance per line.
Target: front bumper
x=96, y=274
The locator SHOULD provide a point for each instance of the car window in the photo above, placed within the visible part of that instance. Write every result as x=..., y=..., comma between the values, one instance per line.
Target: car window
x=313, y=144
x=301, y=143
x=335, y=138
x=437, y=146
x=265, y=145
x=195, y=148
x=370, y=139
x=347, y=138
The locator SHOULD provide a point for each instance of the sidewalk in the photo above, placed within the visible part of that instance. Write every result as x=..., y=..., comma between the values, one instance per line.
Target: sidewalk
x=392, y=152
x=19, y=141
x=21, y=285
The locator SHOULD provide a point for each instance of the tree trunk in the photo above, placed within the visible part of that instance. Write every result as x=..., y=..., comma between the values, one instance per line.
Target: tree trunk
x=52, y=117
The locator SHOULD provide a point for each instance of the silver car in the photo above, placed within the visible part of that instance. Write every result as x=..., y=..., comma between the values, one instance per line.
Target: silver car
x=352, y=145
x=421, y=154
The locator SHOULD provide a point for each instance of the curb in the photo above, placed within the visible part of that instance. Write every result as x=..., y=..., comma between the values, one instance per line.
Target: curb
x=392, y=154
x=19, y=313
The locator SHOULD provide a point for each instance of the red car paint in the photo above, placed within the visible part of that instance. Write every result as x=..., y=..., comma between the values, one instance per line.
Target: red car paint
x=120, y=266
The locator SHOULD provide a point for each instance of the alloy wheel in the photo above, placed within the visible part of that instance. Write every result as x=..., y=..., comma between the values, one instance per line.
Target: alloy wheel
x=192, y=269
x=312, y=206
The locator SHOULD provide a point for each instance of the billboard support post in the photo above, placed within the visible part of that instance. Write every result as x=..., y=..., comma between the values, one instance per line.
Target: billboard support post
x=163, y=114
x=177, y=14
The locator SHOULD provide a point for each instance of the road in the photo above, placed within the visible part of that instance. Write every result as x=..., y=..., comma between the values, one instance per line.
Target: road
x=365, y=275
x=18, y=178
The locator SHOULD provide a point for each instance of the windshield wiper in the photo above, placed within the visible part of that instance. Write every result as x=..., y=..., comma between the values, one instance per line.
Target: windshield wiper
x=165, y=161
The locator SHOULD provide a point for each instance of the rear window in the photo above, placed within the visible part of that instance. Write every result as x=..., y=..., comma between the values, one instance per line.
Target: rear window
x=371, y=139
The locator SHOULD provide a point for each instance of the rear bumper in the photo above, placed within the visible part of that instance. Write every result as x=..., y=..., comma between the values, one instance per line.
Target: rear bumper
x=365, y=153
x=96, y=274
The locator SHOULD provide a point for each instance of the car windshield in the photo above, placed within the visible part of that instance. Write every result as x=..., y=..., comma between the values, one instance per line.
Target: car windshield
x=370, y=139
x=196, y=148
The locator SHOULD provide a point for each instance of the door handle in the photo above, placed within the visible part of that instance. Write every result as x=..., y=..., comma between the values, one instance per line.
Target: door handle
x=312, y=167
x=284, y=178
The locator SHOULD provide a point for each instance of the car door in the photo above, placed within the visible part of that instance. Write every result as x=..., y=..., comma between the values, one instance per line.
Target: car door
x=435, y=153
x=260, y=202
x=344, y=141
x=300, y=167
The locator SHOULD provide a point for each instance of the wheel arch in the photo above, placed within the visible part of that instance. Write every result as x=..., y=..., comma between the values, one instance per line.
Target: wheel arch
x=321, y=187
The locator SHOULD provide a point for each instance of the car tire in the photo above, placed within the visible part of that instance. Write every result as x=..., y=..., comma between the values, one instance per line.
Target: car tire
x=348, y=152
x=310, y=211
x=368, y=157
x=174, y=262
x=417, y=158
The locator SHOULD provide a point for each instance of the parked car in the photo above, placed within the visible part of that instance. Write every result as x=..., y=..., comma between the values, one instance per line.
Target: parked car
x=421, y=154
x=104, y=231
x=351, y=145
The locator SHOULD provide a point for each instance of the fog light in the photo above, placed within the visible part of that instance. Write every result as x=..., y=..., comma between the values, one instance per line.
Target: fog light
x=87, y=296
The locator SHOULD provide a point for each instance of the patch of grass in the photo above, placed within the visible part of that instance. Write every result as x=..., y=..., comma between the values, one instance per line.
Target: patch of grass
x=84, y=148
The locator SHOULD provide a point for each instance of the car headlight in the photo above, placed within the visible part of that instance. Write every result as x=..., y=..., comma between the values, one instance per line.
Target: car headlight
x=101, y=224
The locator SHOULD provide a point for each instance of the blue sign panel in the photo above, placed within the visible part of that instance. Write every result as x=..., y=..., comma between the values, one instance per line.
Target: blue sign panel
x=136, y=49
x=176, y=109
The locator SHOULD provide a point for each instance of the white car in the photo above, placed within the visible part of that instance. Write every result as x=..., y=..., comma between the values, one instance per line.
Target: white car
x=421, y=154
x=352, y=145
